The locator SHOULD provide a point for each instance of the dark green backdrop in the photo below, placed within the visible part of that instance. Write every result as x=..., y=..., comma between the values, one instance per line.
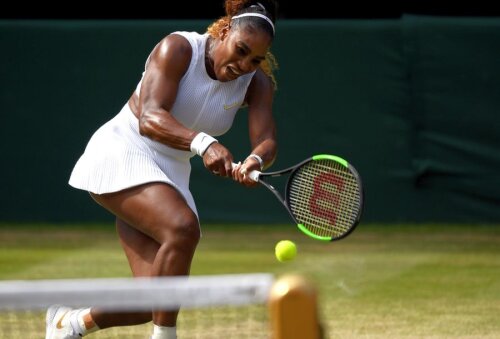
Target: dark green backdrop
x=413, y=103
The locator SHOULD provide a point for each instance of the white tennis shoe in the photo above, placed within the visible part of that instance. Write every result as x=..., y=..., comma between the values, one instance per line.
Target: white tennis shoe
x=60, y=324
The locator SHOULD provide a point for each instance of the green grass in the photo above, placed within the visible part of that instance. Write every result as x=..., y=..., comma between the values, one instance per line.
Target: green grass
x=383, y=281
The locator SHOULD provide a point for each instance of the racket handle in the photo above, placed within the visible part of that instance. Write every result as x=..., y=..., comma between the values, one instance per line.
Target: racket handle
x=254, y=175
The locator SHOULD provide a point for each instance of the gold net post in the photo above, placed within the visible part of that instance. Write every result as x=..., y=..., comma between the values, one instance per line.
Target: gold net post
x=293, y=309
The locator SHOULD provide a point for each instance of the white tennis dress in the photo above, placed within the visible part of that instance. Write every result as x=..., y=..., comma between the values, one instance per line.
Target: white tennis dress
x=118, y=157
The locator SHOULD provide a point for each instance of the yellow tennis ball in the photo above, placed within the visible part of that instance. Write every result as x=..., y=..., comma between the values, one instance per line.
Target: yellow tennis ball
x=285, y=250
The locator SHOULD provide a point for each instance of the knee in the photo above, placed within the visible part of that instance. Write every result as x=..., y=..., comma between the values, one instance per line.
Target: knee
x=183, y=233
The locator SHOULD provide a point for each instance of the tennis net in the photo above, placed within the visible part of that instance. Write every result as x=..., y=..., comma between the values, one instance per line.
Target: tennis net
x=219, y=306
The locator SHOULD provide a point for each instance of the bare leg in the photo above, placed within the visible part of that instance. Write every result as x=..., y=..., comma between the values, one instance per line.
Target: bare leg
x=159, y=234
x=141, y=251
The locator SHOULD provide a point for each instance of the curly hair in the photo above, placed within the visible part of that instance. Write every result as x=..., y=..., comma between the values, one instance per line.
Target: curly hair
x=235, y=7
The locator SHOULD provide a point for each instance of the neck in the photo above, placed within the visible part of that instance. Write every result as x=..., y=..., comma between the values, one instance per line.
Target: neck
x=209, y=60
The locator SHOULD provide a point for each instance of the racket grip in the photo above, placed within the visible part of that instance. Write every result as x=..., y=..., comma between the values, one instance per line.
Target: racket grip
x=254, y=175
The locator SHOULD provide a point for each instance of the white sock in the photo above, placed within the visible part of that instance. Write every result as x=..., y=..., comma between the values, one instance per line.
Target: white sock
x=84, y=321
x=164, y=332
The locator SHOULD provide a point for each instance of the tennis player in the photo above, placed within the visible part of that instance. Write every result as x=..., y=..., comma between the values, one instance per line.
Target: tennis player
x=137, y=165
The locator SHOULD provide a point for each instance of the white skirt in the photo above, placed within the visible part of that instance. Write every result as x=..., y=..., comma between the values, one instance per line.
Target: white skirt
x=118, y=157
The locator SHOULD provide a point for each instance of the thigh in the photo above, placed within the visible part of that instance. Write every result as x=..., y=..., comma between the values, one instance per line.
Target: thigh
x=153, y=209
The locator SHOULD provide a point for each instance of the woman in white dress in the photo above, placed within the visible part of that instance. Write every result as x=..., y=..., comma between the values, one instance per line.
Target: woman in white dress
x=137, y=165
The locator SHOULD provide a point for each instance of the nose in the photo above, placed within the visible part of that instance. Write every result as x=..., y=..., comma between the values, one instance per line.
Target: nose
x=246, y=65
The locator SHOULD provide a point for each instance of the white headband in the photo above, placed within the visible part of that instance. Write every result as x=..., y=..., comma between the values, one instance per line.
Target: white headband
x=255, y=14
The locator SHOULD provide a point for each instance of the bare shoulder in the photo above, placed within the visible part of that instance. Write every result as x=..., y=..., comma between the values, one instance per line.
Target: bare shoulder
x=177, y=43
x=261, y=88
x=173, y=50
x=262, y=80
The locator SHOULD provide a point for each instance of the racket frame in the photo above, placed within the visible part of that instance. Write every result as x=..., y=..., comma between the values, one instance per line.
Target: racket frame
x=259, y=176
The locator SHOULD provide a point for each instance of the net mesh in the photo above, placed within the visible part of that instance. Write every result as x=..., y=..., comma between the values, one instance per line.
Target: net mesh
x=325, y=197
x=222, y=306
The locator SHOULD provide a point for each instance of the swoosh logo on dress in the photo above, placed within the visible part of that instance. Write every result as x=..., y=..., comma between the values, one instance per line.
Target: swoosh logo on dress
x=228, y=107
x=59, y=323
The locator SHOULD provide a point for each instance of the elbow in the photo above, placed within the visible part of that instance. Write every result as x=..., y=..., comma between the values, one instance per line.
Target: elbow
x=146, y=124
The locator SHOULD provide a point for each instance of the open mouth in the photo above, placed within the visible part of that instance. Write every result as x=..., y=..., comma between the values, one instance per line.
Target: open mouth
x=232, y=73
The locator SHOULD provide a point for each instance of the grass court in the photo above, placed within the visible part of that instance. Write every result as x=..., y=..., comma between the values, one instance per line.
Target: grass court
x=382, y=281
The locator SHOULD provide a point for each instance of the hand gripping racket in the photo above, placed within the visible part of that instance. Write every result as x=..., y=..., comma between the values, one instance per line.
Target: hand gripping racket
x=323, y=195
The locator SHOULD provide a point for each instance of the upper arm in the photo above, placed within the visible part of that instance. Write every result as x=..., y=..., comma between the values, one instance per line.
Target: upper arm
x=260, y=115
x=167, y=65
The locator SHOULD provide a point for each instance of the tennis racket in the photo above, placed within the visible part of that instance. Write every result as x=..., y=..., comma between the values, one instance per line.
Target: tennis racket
x=323, y=195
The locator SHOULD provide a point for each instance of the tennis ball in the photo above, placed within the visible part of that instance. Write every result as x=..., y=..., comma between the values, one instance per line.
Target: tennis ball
x=285, y=250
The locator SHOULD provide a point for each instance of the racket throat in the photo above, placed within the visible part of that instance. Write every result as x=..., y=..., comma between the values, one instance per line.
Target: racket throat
x=280, y=198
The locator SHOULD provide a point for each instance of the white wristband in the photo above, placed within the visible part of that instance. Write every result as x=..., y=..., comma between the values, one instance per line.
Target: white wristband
x=259, y=159
x=201, y=142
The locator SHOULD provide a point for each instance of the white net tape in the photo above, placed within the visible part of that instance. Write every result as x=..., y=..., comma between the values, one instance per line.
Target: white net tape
x=211, y=307
x=137, y=293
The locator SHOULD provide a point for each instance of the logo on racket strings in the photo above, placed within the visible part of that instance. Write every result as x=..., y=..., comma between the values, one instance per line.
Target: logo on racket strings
x=323, y=201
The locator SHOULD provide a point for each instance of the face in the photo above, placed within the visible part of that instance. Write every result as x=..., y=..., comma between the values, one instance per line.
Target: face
x=240, y=51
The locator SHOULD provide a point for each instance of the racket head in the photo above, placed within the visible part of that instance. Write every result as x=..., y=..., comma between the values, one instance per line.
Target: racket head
x=324, y=195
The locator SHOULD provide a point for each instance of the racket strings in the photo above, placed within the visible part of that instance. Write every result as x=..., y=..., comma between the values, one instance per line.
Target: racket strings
x=325, y=197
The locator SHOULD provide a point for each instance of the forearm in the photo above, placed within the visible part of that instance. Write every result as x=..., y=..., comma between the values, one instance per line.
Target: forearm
x=164, y=128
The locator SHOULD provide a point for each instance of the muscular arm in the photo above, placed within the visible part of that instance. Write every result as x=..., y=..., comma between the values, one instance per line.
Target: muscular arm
x=167, y=64
x=262, y=129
